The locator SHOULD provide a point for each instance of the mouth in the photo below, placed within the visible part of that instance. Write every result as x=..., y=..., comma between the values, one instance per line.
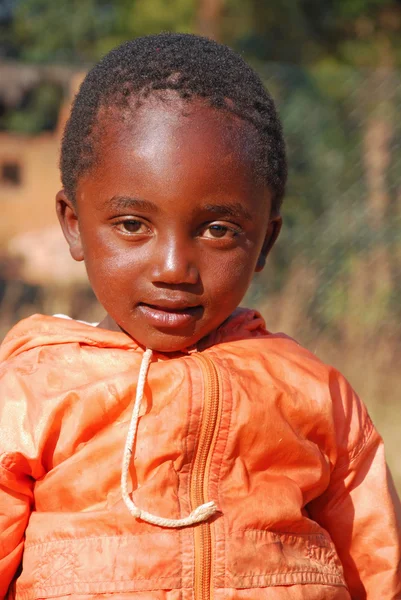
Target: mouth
x=170, y=314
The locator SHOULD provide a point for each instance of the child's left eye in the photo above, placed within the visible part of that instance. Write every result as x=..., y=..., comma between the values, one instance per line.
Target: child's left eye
x=219, y=231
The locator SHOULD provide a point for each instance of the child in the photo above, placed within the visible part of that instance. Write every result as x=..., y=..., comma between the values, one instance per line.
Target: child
x=179, y=450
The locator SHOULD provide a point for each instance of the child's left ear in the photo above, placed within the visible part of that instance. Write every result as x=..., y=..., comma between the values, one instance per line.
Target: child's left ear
x=273, y=231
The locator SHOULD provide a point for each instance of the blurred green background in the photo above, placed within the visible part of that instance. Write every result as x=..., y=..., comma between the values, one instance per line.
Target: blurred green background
x=333, y=66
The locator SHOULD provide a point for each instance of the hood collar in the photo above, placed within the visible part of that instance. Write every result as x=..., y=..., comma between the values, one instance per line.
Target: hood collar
x=40, y=330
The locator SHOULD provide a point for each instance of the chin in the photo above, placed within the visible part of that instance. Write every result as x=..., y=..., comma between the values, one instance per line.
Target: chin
x=166, y=343
x=169, y=346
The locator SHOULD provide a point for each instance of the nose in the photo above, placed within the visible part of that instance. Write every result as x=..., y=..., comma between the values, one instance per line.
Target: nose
x=174, y=263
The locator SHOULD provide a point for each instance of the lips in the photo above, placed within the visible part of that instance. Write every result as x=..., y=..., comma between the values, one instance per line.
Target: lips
x=170, y=314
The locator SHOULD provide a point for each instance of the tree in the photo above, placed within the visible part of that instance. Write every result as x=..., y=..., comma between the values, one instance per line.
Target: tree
x=209, y=18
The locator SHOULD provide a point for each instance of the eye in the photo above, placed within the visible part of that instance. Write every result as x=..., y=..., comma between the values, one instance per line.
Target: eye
x=218, y=231
x=132, y=226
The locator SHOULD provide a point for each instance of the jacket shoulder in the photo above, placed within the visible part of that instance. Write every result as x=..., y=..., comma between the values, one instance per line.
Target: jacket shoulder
x=301, y=377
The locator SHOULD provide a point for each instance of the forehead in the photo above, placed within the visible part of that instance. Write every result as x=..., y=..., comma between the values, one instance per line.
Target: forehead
x=181, y=146
x=163, y=123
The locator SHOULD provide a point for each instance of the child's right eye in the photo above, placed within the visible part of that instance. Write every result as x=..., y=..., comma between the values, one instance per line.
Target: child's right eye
x=132, y=226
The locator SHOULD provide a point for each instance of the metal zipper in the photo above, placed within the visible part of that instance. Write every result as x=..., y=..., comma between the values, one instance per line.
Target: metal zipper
x=200, y=476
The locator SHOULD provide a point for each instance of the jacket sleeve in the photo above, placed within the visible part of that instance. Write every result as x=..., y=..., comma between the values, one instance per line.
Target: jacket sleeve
x=360, y=508
x=16, y=475
x=15, y=507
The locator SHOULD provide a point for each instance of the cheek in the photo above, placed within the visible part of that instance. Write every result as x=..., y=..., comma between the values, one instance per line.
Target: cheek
x=108, y=257
x=111, y=274
x=228, y=278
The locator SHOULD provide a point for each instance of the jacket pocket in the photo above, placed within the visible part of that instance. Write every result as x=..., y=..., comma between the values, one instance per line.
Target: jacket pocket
x=101, y=565
x=259, y=558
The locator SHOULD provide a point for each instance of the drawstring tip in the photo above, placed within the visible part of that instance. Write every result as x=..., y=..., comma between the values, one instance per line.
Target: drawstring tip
x=203, y=512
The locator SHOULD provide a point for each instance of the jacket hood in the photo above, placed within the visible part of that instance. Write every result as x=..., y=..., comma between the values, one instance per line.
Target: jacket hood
x=40, y=330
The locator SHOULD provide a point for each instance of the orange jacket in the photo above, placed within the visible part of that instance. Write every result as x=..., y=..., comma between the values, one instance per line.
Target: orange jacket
x=254, y=422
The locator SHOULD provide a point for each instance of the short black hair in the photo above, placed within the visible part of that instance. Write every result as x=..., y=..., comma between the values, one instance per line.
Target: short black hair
x=194, y=66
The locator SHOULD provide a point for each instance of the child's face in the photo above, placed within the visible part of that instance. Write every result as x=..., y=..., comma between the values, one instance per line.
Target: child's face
x=171, y=221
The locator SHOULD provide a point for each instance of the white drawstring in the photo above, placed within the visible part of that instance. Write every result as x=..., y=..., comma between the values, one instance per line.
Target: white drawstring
x=201, y=513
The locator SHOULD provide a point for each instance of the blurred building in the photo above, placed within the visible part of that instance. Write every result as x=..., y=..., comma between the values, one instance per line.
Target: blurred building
x=29, y=179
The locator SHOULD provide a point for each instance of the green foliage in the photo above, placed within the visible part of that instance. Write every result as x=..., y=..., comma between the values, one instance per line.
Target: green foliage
x=294, y=31
x=62, y=31
x=39, y=113
x=152, y=16
x=351, y=9
x=83, y=30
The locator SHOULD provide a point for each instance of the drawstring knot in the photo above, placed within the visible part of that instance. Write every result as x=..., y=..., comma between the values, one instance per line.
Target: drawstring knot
x=199, y=514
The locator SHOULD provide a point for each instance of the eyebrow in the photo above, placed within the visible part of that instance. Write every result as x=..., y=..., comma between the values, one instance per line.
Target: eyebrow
x=229, y=209
x=127, y=202
x=226, y=209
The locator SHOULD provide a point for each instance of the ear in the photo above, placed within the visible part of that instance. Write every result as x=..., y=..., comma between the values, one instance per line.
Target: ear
x=273, y=231
x=67, y=215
